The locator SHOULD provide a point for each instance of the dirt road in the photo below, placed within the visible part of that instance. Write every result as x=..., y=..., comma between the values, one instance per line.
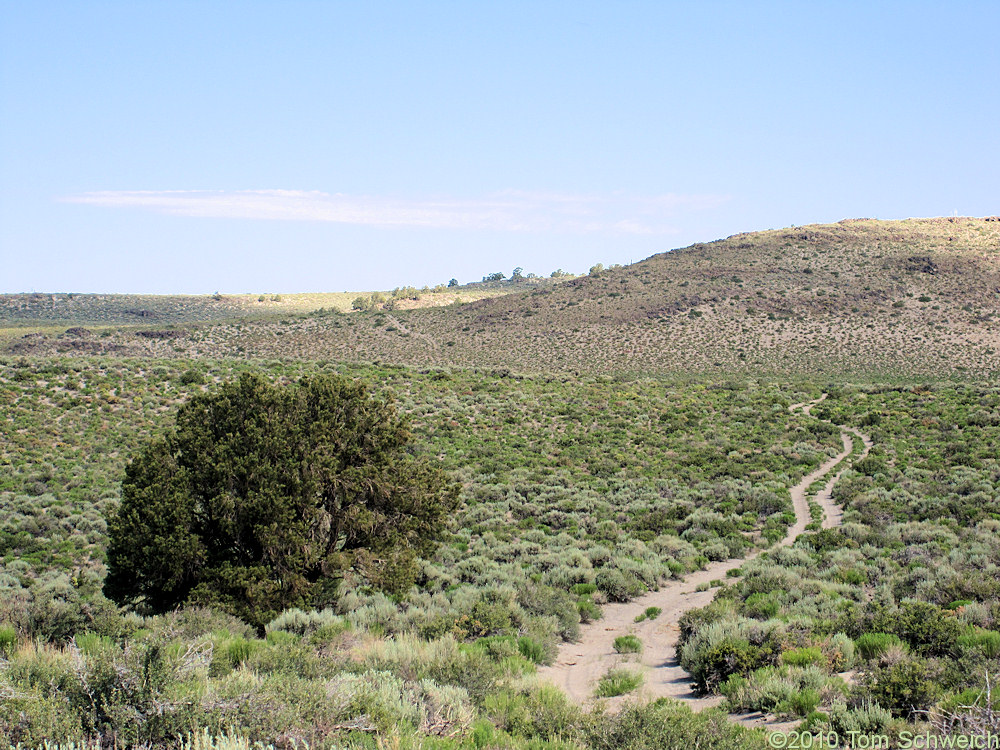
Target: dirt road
x=579, y=665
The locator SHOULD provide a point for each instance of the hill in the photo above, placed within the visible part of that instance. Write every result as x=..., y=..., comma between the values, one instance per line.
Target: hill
x=919, y=297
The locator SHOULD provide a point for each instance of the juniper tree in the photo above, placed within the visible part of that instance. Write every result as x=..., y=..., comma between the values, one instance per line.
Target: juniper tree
x=263, y=495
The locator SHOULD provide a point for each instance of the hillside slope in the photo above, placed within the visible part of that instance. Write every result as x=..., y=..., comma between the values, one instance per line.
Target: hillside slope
x=865, y=297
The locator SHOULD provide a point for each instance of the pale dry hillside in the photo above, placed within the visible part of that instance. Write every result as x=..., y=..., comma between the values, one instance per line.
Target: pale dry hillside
x=919, y=297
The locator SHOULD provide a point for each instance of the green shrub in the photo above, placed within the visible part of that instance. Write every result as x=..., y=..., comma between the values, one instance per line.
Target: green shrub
x=815, y=721
x=676, y=569
x=802, y=657
x=548, y=601
x=588, y=611
x=34, y=718
x=872, y=645
x=866, y=719
x=666, y=724
x=618, y=682
x=987, y=641
x=499, y=647
x=92, y=643
x=904, y=686
x=541, y=712
x=554, y=715
x=531, y=650
x=871, y=465
x=194, y=622
x=628, y=644
x=329, y=633
x=618, y=586
x=760, y=606
x=381, y=698
x=694, y=619
x=729, y=656
x=58, y=611
x=472, y=670
x=801, y=703
x=839, y=652
x=492, y=616
x=191, y=377
x=852, y=576
x=8, y=639
x=280, y=638
x=302, y=623
x=729, y=647
x=926, y=628
x=239, y=651
x=653, y=612
x=780, y=689
x=966, y=699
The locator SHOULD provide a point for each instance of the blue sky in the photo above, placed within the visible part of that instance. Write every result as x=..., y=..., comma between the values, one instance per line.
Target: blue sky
x=327, y=146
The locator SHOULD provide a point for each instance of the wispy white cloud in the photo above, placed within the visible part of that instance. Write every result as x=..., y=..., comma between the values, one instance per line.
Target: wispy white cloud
x=505, y=211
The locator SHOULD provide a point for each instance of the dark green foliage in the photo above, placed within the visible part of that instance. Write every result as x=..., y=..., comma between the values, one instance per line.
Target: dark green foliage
x=871, y=465
x=926, y=627
x=732, y=656
x=829, y=539
x=491, y=615
x=262, y=495
x=730, y=647
x=905, y=685
x=191, y=377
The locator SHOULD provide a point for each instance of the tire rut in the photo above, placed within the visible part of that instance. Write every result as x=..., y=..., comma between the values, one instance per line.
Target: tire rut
x=580, y=665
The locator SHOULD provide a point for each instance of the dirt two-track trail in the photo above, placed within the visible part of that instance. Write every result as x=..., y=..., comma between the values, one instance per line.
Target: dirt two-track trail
x=580, y=665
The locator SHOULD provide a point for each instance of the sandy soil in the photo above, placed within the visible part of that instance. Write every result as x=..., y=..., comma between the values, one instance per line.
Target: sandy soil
x=579, y=665
x=833, y=514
